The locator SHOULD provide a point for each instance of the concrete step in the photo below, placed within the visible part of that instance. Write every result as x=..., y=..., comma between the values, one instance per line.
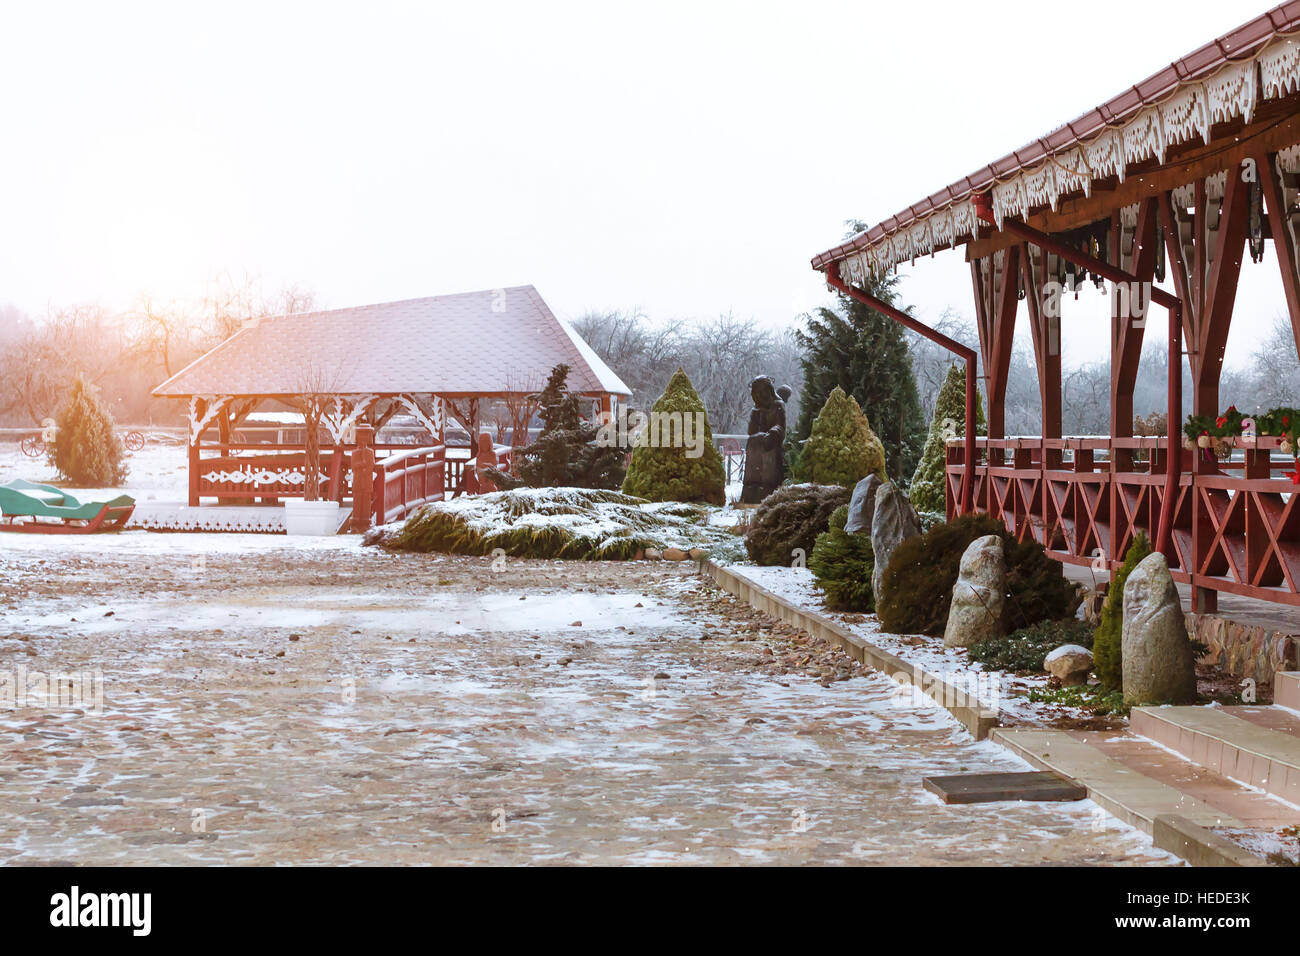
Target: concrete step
x=1257, y=746
x=1138, y=781
x=1146, y=786
x=1286, y=689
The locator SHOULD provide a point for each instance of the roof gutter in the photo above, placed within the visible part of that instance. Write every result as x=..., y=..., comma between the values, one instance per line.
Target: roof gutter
x=961, y=351
x=1173, y=462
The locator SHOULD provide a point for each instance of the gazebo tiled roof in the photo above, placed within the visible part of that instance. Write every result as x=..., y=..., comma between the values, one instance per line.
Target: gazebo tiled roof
x=469, y=343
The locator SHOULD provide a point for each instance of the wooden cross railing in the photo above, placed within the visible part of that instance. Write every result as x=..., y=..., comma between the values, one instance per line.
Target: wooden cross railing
x=1236, y=522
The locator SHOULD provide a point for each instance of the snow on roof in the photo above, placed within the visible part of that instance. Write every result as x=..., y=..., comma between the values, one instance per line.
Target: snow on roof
x=469, y=343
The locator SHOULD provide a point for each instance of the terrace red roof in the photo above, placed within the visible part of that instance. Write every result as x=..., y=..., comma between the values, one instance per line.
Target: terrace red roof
x=471, y=343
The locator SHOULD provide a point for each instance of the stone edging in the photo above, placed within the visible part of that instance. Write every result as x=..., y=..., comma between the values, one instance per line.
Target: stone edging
x=968, y=710
x=1197, y=845
x=1176, y=834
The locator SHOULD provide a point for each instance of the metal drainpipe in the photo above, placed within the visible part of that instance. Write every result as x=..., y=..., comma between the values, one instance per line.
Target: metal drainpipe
x=968, y=476
x=1173, y=466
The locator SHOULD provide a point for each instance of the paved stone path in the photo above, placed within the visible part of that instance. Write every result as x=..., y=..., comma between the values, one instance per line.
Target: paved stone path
x=348, y=706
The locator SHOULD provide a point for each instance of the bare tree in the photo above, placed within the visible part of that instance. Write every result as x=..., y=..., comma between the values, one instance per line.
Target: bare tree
x=232, y=301
x=514, y=411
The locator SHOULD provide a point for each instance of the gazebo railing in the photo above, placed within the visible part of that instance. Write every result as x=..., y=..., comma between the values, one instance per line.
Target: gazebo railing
x=1236, y=522
x=405, y=481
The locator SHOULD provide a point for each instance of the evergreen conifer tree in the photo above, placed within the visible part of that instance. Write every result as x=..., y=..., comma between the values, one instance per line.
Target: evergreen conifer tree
x=566, y=453
x=866, y=355
x=926, y=490
x=842, y=448
x=1108, y=639
x=86, y=449
x=663, y=470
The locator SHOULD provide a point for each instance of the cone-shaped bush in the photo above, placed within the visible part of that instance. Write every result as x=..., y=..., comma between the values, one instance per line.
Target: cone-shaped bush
x=86, y=449
x=842, y=449
x=843, y=563
x=926, y=490
x=665, y=465
x=1108, y=641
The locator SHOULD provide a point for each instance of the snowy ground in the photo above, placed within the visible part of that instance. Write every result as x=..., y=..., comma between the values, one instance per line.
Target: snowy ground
x=266, y=702
x=999, y=691
x=158, y=472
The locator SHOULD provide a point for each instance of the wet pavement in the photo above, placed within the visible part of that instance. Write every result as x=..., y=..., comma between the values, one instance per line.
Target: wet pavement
x=264, y=704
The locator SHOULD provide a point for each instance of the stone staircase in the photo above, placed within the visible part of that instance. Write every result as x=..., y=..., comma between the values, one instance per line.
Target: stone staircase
x=1257, y=746
x=1198, y=767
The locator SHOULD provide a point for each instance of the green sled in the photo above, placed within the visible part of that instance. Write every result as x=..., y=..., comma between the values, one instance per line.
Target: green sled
x=23, y=503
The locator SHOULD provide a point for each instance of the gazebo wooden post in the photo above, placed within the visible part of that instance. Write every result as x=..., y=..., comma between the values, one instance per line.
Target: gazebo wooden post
x=196, y=436
x=363, y=475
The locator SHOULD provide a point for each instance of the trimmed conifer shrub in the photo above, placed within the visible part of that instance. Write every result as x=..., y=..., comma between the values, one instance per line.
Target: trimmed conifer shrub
x=791, y=518
x=841, y=449
x=916, y=588
x=926, y=490
x=86, y=449
x=1108, y=640
x=842, y=563
x=662, y=469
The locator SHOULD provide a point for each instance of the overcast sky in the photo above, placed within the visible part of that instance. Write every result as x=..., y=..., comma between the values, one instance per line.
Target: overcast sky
x=686, y=159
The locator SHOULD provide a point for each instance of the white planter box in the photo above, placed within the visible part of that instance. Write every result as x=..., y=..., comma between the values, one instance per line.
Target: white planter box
x=311, y=517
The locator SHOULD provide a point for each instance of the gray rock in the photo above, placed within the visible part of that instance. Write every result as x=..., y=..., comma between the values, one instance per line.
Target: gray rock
x=1071, y=663
x=862, y=506
x=1157, y=654
x=979, y=595
x=893, y=522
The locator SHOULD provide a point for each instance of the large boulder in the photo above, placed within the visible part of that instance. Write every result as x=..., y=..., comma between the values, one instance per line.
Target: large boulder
x=893, y=521
x=1071, y=663
x=862, y=506
x=1158, y=666
x=979, y=596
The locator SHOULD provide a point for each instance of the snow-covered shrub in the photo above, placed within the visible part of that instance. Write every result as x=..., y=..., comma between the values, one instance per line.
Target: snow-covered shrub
x=926, y=490
x=1108, y=639
x=585, y=523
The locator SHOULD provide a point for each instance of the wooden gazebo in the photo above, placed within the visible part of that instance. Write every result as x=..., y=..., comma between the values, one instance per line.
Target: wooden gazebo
x=352, y=370
x=1177, y=178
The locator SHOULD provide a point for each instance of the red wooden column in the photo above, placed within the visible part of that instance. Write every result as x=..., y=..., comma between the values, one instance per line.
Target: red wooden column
x=996, y=279
x=200, y=409
x=1220, y=293
x=1135, y=252
x=1284, y=244
x=1205, y=260
x=1045, y=326
x=363, y=477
